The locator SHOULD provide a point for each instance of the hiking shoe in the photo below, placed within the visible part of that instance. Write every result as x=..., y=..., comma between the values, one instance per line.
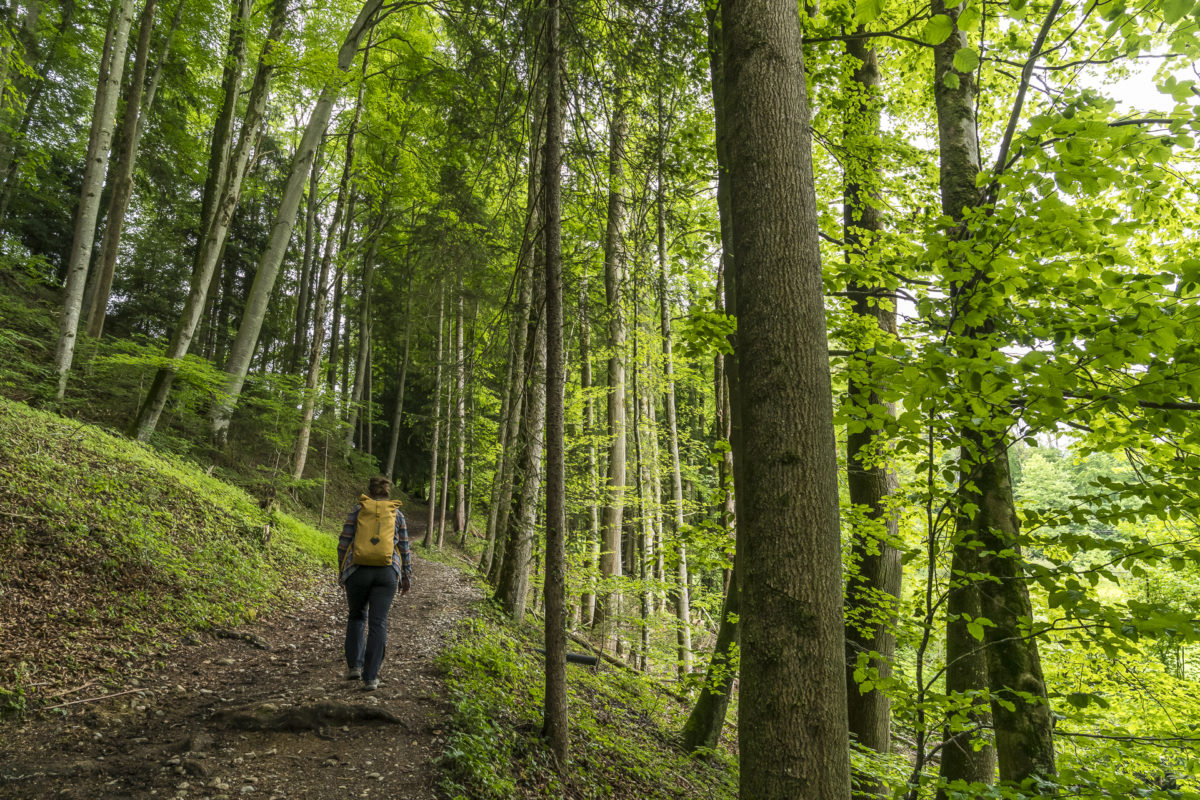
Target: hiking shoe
x=371, y=685
x=354, y=674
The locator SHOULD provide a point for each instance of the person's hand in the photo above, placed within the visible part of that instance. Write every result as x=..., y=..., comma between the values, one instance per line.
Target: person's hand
x=404, y=587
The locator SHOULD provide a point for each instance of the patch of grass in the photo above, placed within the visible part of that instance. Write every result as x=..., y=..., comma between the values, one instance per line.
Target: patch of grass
x=623, y=729
x=108, y=547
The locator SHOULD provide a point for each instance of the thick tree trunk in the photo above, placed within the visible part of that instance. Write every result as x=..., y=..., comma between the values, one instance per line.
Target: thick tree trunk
x=133, y=125
x=873, y=588
x=281, y=229
x=793, y=682
x=964, y=756
x=554, y=720
x=608, y=602
x=435, y=405
x=213, y=243
x=112, y=67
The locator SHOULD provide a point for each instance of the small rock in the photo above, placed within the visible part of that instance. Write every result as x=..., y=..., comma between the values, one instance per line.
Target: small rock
x=184, y=785
x=375, y=775
x=172, y=761
x=226, y=662
x=249, y=789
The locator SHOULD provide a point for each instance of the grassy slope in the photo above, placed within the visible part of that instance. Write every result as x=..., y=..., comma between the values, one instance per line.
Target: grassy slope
x=107, y=548
x=623, y=728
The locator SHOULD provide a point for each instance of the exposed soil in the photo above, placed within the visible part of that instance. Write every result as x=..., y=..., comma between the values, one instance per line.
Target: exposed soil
x=261, y=712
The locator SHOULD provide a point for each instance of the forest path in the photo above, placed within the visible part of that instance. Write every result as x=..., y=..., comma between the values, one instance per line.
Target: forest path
x=226, y=718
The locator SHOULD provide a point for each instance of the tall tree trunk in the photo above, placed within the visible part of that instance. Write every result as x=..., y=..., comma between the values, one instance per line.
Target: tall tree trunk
x=449, y=412
x=435, y=405
x=513, y=587
x=683, y=631
x=608, y=603
x=362, y=364
x=793, y=682
x=522, y=320
x=707, y=718
x=212, y=245
x=987, y=522
x=873, y=588
x=588, y=601
x=281, y=228
x=133, y=125
x=112, y=67
x=964, y=756
x=503, y=461
x=554, y=721
x=460, y=420
x=299, y=351
x=398, y=416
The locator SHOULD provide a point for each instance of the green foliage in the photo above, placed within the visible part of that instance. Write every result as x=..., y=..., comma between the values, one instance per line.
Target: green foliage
x=623, y=743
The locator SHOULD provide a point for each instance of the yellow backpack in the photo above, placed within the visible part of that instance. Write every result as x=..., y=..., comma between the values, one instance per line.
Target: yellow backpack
x=373, y=539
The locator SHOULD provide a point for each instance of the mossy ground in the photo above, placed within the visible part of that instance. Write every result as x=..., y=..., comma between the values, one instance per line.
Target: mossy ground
x=108, y=547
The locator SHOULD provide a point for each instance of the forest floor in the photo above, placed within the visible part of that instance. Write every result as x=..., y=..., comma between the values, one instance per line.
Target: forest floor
x=268, y=714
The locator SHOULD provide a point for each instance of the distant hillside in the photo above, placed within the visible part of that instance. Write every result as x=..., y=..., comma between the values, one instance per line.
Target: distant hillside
x=108, y=547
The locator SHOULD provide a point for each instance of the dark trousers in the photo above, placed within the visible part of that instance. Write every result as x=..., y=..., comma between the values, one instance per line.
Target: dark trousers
x=369, y=591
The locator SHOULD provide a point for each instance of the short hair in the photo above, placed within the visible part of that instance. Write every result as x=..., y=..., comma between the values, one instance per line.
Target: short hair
x=379, y=487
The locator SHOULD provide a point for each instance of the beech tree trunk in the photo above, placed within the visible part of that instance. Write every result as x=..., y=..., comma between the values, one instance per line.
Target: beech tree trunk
x=213, y=244
x=513, y=587
x=435, y=405
x=281, y=229
x=873, y=588
x=398, y=417
x=300, y=341
x=587, y=604
x=133, y=125
x=460, y=420
x=112, y=67
x=608, y=602
x=793, y=682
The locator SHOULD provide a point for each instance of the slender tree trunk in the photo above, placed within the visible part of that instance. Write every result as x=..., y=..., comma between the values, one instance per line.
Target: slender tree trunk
x=793, y=682
x=588, y=601
x=682, y=597
x=554, y=722
x=513, y=586
x=437, y=422
x=137, y=112
x=516, y=437
x=449, y=412
x=112, y=67
x=281, y=228
x=460, y=420
x=213, y=244
x=502, y=458
x=299, y=352
x=398, y=417
x=608, y=602
x=873, y=588
x=362, y=364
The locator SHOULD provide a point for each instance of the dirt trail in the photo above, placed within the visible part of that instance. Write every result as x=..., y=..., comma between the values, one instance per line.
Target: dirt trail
x=268, y=715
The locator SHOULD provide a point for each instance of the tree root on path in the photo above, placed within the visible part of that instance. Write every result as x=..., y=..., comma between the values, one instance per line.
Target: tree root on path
x=315, y=717
x=225, y=633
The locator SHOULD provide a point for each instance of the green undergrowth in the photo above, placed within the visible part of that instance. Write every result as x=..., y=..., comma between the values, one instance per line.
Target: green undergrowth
x=624, y=741
x=108, y=547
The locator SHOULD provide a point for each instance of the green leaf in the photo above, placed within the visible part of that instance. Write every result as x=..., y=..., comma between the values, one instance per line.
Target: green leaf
x=966, y=59
x=1175, y=10
x=938, y=29
x=970, y=19
x=976, y=630
x=950, y=79
x=867, y=10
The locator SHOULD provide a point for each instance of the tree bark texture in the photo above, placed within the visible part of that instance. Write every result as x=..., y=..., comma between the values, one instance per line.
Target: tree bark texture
x=554, y=720
x=793, y=682
x=398, y=416
x=435, y=405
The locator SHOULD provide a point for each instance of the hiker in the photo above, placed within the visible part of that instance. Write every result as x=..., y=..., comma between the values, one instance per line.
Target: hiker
x=375, y=561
